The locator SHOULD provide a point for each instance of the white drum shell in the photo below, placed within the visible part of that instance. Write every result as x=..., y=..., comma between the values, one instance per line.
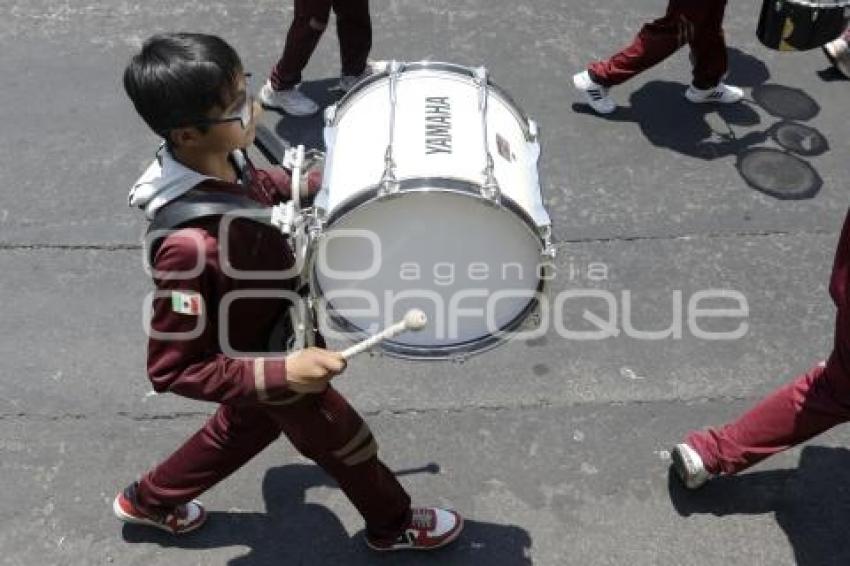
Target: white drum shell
x=438, y=218
x=357, y=140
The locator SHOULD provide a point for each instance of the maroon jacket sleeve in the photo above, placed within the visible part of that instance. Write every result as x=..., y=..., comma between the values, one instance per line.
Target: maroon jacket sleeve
x=184, y=355
x=276, y=183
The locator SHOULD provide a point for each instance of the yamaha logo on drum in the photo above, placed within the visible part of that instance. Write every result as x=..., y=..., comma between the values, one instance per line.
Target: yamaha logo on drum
x=438, y=125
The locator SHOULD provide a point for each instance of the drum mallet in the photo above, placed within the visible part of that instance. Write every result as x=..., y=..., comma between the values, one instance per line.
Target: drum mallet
x=414, y=319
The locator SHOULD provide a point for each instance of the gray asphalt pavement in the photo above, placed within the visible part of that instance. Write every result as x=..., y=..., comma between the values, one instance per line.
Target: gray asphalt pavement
x=555, y=450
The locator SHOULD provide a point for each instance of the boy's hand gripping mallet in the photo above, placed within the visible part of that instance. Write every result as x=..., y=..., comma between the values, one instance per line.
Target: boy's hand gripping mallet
x=415, y=319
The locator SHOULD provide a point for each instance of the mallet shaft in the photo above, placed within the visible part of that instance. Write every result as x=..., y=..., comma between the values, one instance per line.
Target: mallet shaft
x=414, y=320
x=372, y=341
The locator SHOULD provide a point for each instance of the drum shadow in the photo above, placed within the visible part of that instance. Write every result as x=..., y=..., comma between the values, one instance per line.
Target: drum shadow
x=785, y=102
x=811, y=504
x=781, y=173
x=798, y=138
x=778, y=174
x=307, y=130
x=295, y=531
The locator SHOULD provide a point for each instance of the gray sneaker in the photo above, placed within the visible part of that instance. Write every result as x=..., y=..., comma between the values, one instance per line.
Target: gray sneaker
x=347, y=82
x=292, y=101
x=689, y=467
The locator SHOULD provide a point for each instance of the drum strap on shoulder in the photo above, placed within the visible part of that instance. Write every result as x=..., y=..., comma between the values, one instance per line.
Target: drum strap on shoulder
x=198, y=205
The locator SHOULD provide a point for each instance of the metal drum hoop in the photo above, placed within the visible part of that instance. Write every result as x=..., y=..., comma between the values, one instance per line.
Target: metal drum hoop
x=446, y=70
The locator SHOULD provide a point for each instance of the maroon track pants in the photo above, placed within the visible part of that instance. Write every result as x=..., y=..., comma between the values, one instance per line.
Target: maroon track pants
x=324, y=428
x=698, y=23
x=354, y=29
x=811, y=404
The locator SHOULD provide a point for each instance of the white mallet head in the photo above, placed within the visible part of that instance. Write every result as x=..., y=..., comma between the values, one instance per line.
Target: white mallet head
x=415, y=319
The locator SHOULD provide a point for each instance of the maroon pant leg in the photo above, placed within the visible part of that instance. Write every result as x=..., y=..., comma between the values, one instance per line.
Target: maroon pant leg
x=309, y=22
x=708, y=46
x=326, y=429
x=354, y=29
x=686, y=21
x=811, y=404
x=230, y=438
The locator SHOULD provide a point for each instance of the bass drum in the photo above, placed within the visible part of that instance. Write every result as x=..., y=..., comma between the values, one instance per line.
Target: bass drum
x=799, y=25
x=430, y=200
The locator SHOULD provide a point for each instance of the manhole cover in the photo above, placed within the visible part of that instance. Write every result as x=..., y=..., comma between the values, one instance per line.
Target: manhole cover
x=778, y=174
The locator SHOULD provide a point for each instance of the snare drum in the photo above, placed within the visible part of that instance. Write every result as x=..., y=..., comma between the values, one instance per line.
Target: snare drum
x=798, y=25
x=430, y=200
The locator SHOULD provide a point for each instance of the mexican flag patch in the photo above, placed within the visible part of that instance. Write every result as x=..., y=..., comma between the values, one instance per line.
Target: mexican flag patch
x=186, y=303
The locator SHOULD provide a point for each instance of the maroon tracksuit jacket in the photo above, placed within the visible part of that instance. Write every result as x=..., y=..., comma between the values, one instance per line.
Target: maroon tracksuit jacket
x=256, y=404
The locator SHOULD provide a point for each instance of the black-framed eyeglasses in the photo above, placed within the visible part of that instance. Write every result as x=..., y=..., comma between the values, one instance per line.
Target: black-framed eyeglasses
x=244, y=114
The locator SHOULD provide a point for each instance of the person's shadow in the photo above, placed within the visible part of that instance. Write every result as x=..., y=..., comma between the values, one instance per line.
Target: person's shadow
x=294, y=531
x=669, y=121
x=704, y=131
x=811, y=504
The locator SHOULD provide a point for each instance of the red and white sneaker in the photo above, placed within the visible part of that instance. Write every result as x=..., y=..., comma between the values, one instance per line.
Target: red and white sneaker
x=429, y=528
x=182, y=519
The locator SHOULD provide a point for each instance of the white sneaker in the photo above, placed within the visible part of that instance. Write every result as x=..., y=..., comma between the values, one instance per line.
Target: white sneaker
x=839, y=55
x=689, y=466
x=292, y=101
x=595, y=94
x=722, y=93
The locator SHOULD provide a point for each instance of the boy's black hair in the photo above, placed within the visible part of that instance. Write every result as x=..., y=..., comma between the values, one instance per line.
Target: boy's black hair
x=177, y=78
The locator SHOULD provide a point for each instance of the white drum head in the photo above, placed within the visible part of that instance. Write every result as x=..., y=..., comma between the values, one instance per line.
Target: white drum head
x=470, y=265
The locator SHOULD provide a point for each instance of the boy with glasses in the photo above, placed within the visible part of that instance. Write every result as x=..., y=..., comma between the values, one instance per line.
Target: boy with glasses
x=191, y=89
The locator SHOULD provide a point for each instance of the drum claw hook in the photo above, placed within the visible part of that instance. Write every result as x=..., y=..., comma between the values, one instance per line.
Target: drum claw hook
x=490, y=189
x=458, y=358
x=389, y=184
x=549, y=250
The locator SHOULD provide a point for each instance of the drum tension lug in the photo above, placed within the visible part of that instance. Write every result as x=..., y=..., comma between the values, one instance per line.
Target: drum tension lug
x=533, y=131
x=388, y=187
x=549, y=251
x=314, y=228
x=459, y=359
x=533, y=321
x=285, y=218
x=490, y=189
x=491, y=192
x=330, y=115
